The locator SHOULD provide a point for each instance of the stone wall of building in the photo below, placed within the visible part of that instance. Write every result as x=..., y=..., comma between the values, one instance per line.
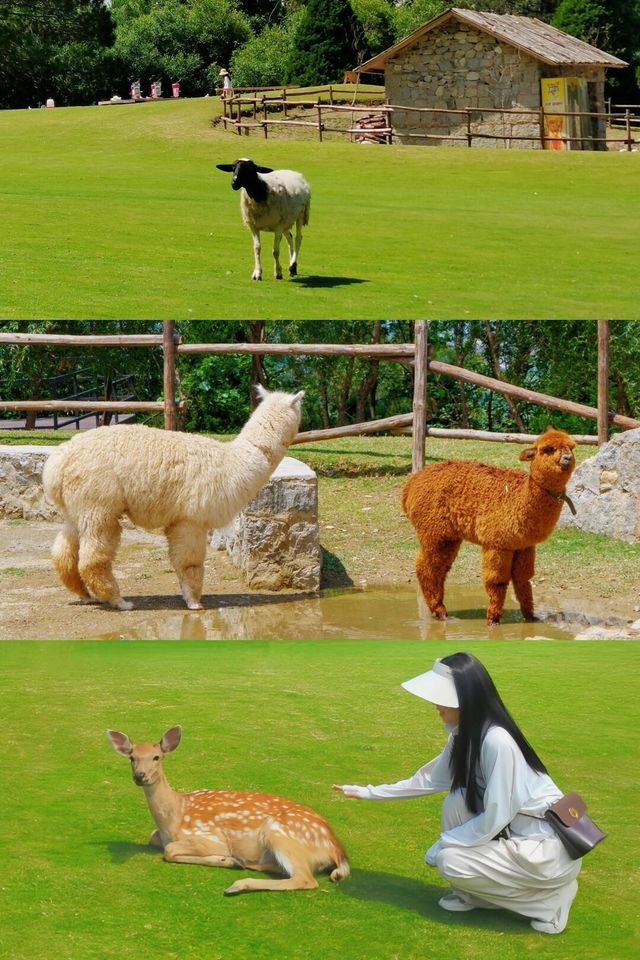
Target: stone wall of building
x=456, y=67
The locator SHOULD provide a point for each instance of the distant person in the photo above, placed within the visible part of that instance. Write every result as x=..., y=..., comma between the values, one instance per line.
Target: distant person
x=227, y=86
x=494, y=849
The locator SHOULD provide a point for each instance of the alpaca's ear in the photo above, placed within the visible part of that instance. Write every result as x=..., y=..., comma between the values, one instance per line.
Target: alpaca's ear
x=261, y=393
x=528, y=454
x=297, y=400
x=171, y=739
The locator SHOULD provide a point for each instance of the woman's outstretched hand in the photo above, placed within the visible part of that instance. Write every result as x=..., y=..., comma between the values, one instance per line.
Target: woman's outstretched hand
x=348, y=790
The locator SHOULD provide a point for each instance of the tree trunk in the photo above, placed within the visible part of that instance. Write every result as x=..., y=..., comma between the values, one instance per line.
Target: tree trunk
x=495, y=363
x=258, y=374
x=369, y=383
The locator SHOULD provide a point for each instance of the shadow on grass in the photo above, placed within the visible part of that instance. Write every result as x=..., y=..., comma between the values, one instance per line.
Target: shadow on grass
x=316, y=282
x=120, y=852
x=422, y=898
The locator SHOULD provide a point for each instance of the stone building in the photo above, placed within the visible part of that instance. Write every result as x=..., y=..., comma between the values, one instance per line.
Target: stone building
x=473, y=62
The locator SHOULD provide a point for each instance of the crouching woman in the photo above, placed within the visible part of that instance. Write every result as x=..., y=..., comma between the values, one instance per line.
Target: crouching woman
x=494, y=849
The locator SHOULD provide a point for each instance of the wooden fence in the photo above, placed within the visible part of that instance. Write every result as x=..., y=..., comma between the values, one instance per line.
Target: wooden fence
x=416, y=354
x=243, y=114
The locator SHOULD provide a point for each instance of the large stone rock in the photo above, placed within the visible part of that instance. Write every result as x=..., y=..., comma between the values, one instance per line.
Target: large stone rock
x=21, y=493
x=275, y=540
x=605, y=490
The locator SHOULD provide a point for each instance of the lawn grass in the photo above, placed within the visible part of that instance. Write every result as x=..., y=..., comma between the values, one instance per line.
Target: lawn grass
x=119, y=212
x=79, y=881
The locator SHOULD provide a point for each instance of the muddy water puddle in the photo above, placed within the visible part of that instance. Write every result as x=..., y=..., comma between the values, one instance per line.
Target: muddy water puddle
x=386, y=612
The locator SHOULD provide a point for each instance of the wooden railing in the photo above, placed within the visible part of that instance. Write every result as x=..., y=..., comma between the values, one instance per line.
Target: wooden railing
x=415, y=354
x=243, y=114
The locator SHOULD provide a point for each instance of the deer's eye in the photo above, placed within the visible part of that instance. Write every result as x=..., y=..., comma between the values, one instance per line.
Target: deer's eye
x=156, y=758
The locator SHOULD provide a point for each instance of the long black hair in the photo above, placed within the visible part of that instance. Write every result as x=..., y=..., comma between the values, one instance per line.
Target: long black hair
x=480, y=706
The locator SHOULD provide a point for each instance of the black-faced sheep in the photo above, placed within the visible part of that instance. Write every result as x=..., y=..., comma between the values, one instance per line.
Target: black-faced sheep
x=181, y=483
x=271, y=200
x=507, y=512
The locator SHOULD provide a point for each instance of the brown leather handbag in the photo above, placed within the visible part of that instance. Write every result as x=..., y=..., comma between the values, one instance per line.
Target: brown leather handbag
x=576, y=830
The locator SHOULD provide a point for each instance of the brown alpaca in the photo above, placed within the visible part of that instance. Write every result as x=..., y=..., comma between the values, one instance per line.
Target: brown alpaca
x=506, y=512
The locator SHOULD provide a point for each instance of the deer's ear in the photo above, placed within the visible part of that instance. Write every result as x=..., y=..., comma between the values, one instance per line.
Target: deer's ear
x=120, y=742
x=171, y=739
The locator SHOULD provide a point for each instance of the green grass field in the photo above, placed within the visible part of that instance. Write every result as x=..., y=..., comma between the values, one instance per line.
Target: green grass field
x=119, y=212
x=80, y=883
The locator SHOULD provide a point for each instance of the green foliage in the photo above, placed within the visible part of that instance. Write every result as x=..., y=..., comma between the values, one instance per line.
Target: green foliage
x=329, y=40
x=262, y=60
x=612, y=26
x=172, y=40
x=376, y=17
x=54, y=48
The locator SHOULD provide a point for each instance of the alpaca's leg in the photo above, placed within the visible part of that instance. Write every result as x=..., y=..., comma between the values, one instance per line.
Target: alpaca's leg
x=432, y=566
x=99, y=541
x=187, y=550
x=521, y=574
x=277, y=269
x=65, y=553
x=496, y=574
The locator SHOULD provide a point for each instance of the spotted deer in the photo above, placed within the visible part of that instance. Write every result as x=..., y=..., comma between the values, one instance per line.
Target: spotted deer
x=233, y=828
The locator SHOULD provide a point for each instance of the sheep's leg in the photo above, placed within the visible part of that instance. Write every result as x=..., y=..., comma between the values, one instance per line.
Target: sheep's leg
x=277, y=269
x=496, y=574
x=257, y=266
x=521, y=573
x=432, y=566
x=293, y=253
x=99, y=542
x=65, y=554
x=293, y=269
x=187, y=550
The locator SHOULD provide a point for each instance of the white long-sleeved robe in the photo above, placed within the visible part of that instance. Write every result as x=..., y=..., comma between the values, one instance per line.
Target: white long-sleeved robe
x=530, y=873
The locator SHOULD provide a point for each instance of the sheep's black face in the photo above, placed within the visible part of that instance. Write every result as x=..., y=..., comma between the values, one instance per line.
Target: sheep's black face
x=245, y=174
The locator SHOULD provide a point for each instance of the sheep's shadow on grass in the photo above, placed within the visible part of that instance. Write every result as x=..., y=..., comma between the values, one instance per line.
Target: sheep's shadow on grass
x=315, y=281
x=422, y=898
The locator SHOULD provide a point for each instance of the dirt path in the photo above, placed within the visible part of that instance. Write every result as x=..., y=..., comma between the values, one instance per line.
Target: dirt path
x=34, y=605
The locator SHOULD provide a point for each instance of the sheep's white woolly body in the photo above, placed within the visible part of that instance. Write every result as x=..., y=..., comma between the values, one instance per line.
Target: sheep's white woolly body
x=181, y=483
x=272, y=200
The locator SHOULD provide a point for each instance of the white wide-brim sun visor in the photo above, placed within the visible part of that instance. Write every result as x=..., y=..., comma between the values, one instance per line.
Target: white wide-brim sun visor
x=436, y=686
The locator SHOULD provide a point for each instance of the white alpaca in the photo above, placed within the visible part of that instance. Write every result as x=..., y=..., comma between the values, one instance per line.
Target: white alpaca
x=181, y=483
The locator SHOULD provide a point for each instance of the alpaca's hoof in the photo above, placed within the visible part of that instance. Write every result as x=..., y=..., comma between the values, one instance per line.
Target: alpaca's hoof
x=195, y=606
x=123, y=604
x=493, y=621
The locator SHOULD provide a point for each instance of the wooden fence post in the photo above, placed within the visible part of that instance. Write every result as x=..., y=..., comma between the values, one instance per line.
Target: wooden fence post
x=603, y=381
x=419, y=394
x=169, y=371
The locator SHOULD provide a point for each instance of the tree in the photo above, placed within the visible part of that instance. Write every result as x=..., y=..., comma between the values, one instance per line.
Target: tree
x=612, y=26
x=171, y=40
x=329, y=40
x=54, y=48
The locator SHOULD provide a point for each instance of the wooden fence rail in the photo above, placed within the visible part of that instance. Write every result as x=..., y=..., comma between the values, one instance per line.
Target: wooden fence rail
x=415, y=354
x=233, y=118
